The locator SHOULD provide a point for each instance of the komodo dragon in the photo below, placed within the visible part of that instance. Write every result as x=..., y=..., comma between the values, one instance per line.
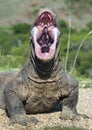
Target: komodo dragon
x=42, y=83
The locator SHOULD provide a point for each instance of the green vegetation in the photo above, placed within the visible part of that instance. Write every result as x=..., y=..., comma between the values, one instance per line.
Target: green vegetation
x=62, y=128
x=15, y=43
x=14, y=46
x=84, y=63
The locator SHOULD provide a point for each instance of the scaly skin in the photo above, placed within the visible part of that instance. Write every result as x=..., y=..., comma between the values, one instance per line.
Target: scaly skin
x=39, y=86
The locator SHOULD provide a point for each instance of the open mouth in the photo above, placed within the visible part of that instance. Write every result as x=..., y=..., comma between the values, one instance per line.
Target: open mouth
x=45, y=41
x=45, y=36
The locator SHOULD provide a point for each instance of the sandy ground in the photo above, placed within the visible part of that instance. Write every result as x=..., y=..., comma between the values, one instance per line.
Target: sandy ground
x=52, y=119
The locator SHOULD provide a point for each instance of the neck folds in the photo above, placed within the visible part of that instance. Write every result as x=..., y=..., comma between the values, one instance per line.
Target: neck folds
x=44, y=69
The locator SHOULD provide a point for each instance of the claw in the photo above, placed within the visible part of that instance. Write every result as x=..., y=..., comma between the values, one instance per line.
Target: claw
x=34, y=120
x=72, y=116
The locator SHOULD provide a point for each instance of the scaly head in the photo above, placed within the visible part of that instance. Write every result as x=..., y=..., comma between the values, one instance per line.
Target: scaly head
x=45, y=35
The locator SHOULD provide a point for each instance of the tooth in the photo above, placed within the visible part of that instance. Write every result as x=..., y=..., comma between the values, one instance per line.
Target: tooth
x=48, y=24
x=42, y=24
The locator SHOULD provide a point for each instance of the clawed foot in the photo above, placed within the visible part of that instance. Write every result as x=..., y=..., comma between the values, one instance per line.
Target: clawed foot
x=71, y=115
x=84, y=116
x=24, y=120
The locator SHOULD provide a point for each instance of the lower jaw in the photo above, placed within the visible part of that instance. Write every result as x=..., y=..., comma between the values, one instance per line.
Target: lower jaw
x=45, y=57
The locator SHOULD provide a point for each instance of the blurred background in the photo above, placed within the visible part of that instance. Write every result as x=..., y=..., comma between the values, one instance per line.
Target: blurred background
x=16, y=18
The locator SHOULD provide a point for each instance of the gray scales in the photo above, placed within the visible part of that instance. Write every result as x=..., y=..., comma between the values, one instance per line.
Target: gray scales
x=42, y=83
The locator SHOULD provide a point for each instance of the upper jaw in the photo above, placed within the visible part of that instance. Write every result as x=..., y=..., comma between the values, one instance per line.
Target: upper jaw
x=45, y=34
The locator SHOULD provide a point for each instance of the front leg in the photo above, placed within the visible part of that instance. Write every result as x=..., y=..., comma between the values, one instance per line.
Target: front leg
x=69, y=103
x=13, y=96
